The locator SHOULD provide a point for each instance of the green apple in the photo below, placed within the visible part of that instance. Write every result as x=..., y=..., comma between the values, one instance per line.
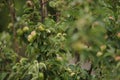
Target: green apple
x=59, y=58
x=25, y=29
x=10, y=25
x=118, y=35
x=41, y=76
x=41, y=28
x=19, y=32
x=33, y=33
x=99, y=53
x=102, y=47
x=30, y=38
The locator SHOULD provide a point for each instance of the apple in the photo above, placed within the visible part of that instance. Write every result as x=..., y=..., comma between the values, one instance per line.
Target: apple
x=30, y=38
x=99, y=53
x=118, y=35
x=59, y=58
x=10, y=25
x=33, y=33
x=25, y=29
x=41, y=76
x=19, y=32
x=41, y=28
x=102, y=47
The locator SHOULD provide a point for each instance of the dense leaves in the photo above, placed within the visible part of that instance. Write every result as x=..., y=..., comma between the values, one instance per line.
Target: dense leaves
x=61, y=40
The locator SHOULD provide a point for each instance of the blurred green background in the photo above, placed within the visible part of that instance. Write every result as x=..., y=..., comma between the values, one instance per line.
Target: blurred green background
x=4, y=12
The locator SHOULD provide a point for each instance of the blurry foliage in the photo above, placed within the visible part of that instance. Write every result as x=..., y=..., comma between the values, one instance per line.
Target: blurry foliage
x=88, y=28
x=5, y=15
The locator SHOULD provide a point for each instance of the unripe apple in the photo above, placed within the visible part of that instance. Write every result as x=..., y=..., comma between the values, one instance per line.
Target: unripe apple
x=30, y=38
x=103, y=47
x=41, y=28
x=25, y=29
x=41, y=76
x=111, y=18
x=69, y=70
x=10, y=25
x=117, y=58
x=19, y=32
x=29, y=3
x=33, y=33
x=59, y=58
x=99, y=53
x=118, y=35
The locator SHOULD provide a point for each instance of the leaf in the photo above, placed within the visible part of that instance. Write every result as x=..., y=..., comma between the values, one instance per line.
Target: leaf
x=3, y=75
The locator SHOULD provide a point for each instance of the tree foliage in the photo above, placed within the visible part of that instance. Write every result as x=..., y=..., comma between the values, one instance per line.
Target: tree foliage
x=60, y=40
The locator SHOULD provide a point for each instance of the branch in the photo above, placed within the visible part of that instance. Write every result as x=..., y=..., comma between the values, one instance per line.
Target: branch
x=43, y=9
x=13, y=20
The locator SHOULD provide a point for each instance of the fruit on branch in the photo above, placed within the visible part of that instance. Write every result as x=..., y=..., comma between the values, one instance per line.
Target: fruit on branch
x=99, y=53
x=102, y=47
x=41, y=28
x=19, y=32
x=41, y=76
x=118, y=35
x=32, y=36
x=29, y=3
x=25, y=29
x=33, y=33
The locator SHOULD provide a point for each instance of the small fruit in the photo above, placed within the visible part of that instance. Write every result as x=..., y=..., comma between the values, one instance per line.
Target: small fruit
x=25, y=29
x=30, y=38
x=118, y=35
x=41, y=28
x=117, y=58
x=69, y=70
x=41, y=76
x=10, y=25
x=19, y=32
x=59, y=58
x=111, y=18
x=33, y=33
x=103, y=47
x=29, y=3
x=99, y=53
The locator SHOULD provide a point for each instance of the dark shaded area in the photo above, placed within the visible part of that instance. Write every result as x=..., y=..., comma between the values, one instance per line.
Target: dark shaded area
x=4, y=12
